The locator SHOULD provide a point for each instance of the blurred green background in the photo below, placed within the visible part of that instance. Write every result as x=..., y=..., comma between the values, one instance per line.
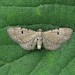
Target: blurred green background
x=35, y=14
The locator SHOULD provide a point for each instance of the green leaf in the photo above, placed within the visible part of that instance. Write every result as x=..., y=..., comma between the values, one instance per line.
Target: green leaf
x=38, y=14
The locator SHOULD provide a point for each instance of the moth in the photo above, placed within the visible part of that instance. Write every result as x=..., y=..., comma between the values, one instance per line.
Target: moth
x=28, y=39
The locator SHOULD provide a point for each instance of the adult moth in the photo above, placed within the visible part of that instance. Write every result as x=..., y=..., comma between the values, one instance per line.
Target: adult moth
x=28, y=39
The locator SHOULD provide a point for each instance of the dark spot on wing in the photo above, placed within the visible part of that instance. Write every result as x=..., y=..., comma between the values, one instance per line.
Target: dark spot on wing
x=57, y=33
x=22, y=32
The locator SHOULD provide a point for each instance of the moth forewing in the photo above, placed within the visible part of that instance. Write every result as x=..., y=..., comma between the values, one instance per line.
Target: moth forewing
x=53, y=39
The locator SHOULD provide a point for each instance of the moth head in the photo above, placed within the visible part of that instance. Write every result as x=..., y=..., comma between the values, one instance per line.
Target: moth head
x=40, y=30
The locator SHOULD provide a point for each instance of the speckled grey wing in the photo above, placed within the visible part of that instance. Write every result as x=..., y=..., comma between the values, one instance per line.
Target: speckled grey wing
x=25, y=38
x=53, y=39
